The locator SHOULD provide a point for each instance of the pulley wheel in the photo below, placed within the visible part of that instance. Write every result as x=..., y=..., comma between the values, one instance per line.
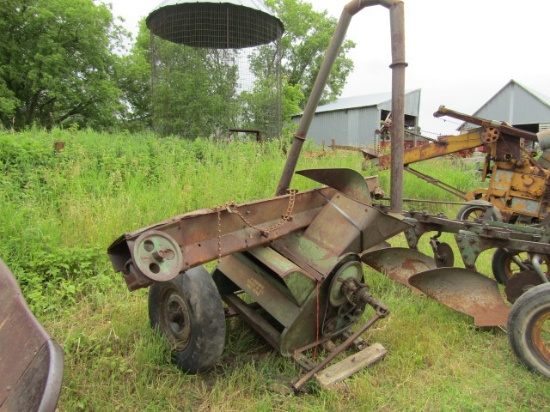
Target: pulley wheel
x=490, y=135
x=351, y=269
x=157, y=255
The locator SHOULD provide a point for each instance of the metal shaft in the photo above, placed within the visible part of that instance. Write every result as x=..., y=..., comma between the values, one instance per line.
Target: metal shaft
x=397, y=22
x=397, y=12
x=336, y=352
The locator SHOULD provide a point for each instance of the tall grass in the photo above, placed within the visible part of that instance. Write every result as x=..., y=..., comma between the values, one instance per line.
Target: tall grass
x=60, y=211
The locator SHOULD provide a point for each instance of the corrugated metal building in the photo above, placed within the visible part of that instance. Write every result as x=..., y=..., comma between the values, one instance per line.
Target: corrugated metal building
x=352, y=121
x=519, y=106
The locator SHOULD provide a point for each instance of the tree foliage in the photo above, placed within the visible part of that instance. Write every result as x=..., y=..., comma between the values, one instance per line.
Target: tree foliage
x=133, y=76
x=57, y=63
x=59, y=66
x=304, y=43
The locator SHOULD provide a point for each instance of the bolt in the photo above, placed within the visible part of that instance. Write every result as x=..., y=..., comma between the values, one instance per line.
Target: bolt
x=158, y=255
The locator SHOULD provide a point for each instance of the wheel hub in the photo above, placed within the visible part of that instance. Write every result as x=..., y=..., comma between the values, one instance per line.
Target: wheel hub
x=176, y=321
x=541, y=336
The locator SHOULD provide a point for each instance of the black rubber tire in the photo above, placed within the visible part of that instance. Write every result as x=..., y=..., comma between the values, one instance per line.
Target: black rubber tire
x=504, y=267
x=476, y=209
x=501, y=265
x=529, y=316
x=188, y=311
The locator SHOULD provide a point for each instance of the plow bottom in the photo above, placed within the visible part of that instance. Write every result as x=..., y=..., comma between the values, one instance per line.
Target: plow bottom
x=399, y=264
x=465, y=291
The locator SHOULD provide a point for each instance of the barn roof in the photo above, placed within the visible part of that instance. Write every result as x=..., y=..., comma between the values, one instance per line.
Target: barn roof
x=515, y=104
x=366, y=100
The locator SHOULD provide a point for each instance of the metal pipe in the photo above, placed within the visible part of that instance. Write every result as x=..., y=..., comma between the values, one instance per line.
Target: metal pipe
x=397, y=23
x=297, y=385
x=352, y=8
x=536, y=261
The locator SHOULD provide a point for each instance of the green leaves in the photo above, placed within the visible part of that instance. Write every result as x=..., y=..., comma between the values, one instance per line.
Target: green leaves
x=57, y=64
x=306, y=38
x=51, y=280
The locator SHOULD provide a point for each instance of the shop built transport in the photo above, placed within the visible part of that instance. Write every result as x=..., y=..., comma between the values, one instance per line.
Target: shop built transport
x=291, y=265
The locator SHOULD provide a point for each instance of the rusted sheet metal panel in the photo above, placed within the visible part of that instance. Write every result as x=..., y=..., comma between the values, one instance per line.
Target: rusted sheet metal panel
x=399, y=264
x=299, y=283
x=31, y=363
x=346, y=181
x=465, y=291
x=267, y=293
x=206, y=234
x=317, y=259
x=353, y=227
x=443, y=146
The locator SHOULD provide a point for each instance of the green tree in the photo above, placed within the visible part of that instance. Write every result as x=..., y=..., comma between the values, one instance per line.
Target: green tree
x=57, y=63
x=304, y=43
x=133, y=74
x=192, y=90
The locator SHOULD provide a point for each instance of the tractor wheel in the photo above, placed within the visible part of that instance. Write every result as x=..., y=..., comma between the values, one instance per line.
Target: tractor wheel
x=529, y=329
x=476, y=209
x=506, y=264
x=189, y=312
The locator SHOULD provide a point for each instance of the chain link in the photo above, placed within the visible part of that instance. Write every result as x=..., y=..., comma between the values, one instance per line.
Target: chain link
x=264, y=232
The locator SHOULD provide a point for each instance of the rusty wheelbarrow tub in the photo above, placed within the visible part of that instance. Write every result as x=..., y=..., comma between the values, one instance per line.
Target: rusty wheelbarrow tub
x=31, y=362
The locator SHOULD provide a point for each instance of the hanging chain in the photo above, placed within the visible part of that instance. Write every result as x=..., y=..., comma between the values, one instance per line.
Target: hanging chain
x=264, y=232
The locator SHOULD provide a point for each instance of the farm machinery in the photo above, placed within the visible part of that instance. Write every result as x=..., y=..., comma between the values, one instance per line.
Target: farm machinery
x=518, y=183
x=291, y=266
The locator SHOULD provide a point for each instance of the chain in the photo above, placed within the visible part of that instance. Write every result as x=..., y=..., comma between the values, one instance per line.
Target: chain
x=265, y=232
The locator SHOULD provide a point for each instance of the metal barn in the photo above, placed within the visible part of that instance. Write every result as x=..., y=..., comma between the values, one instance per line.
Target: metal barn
x=353, y=121
x=517, y=105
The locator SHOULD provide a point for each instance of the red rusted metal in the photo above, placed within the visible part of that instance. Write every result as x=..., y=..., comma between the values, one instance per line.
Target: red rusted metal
x=31, y=363
x=465, y=291
x=208, y=234
x=398, y=264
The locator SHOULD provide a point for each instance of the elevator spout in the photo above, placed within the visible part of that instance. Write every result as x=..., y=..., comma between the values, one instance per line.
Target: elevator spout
x=397, y=23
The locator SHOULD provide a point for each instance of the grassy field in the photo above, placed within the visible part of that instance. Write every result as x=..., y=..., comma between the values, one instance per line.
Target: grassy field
x=60, y=211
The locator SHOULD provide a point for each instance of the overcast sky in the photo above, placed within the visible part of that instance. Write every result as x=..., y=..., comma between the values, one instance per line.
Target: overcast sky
x=460, y=52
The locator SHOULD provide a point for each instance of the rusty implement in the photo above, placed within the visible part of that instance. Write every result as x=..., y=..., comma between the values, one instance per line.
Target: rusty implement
x=289, y=266
x=443, y=146
x=161, y=251
x=398, y=264
x=465, y=291
x=31, y=362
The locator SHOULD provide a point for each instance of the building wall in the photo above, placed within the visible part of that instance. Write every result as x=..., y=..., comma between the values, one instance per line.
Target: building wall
x=515, y=105
x=352, y=127
x=356, y=126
